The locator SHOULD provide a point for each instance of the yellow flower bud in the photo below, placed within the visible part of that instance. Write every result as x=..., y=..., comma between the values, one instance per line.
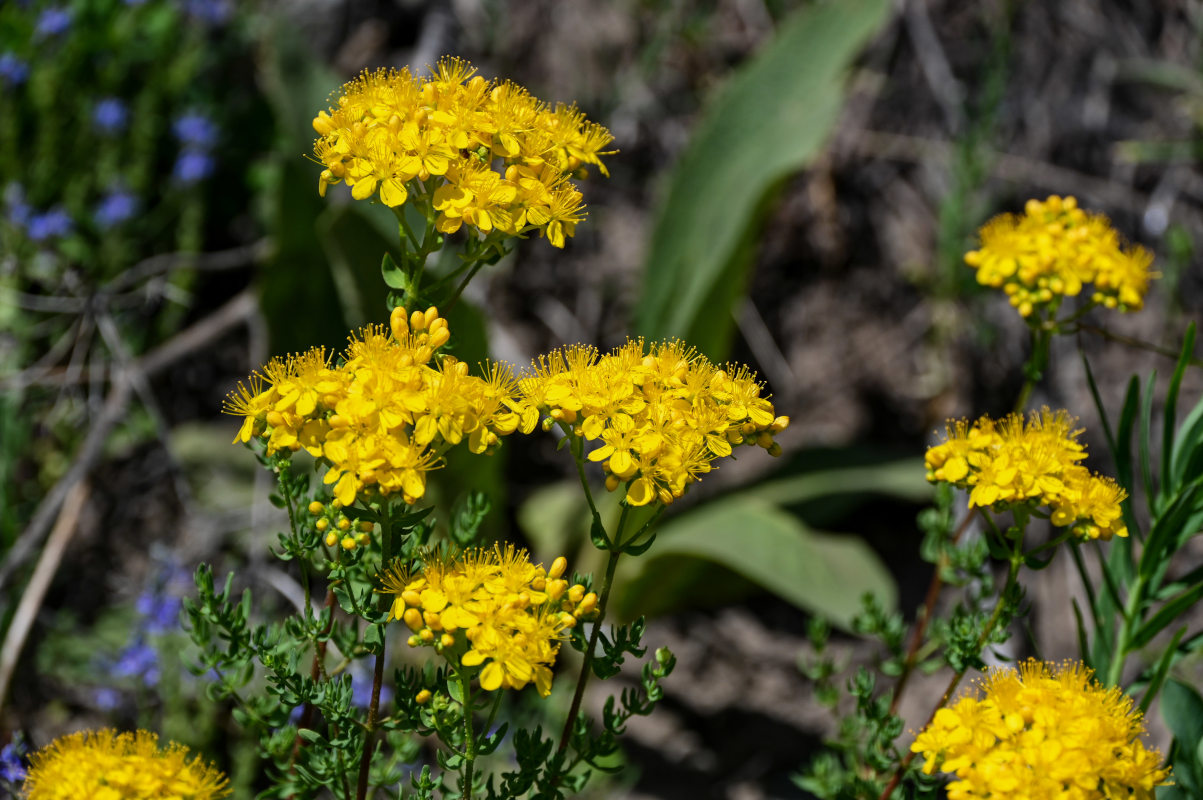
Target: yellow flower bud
x=344, y=524
x=348, y=542
x=413, y=618
x=576, y=593
x=417, y=321
x=422, y=697
x=366, y=525
x=411, y=597
x=588, y=603
x=558, y=567
x=398, y=323
x=431, y=315
x=447, y=640
x=316, y=508
x=322, y=524
x=426, y=636
x=331, y=539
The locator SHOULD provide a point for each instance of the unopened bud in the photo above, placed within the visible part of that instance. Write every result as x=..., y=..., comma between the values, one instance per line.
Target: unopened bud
x=576, y=593
x=426, y=635
x=413, y=618
x=431, y=315
x=331, y=539
x=398, y=323
x=447, y=640
x=344, y=524
x=322, y=524
x=417, y=321
x=558, y=567
x=422, y=697
x=588, y=603
x=411, y=597
x=316, y=508
x=348, y=543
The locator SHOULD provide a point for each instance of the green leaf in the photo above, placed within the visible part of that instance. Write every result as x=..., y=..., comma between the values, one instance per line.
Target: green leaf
x=1186, y=445
x=393, y=276
x=1157, y=679
x=1171, y=407
x=1182, y=709
x=770, y=120
x=822, y=573
x=1165, y=615
x=1144, y=442
x=904, y=479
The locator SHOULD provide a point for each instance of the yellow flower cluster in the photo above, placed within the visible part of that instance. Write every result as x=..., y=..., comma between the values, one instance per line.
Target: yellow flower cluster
x=1052, y=251
x=106, y=765
x=385, y=415
x=1042, y=733
x=1012, y=463
x=660, y=415
x=480, y=153
x=491, y=606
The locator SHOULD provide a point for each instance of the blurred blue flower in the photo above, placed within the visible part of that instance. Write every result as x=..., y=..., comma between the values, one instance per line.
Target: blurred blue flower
x=134, y=2
x=162, y=612
x=13, y=70
x=110, y=115
x=193, y=166
x=116, y=207
x=195, y=130
x=139, y=660
x=54, y=21
x=362, y=678
x=11, y=767
x=212, y=12
x=106, y=699
x=53, y=223
x=17, y=210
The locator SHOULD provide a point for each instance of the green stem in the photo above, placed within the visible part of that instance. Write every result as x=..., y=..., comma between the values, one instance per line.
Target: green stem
x=1115, y=671
x=465, y=688
x=587, y=661
x=463, y=285
x=365, y=761
x=1034, y=368
x=1012, y=574
x=577, y=446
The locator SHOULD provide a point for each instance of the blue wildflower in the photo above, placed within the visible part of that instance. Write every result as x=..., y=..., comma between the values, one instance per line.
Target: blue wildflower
x=193, y=166
x=106, y=698
x=212, y=12
x=13, y=70
x=12, y=768
x=110, y=115
x=140, y=661
x=362, y=679
x=17, y=210
x=195, y=130
x=161, y=612
x=116, y=207
x=54, y=223
x=54, y=21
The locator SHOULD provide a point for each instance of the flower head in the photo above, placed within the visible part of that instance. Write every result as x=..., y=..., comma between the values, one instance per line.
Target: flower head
x=1013, y=462
x=13, y=70
x=1044, y=731
x=192, y=166
x=119, y=766
x=659, y=415
x=110, y=115
x=491, y=608
x=53, y=21
x=115, y=208
x=385, y=415
x=1054, y=250
x=52, y=224
x=483, y=154
x=195, y=129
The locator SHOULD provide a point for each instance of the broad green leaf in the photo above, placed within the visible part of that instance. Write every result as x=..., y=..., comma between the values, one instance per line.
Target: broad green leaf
x=770, y=120
x=904, y=479
x=354, y=246
x=822, y=573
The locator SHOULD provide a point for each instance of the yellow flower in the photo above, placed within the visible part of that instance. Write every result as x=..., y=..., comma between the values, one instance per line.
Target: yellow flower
x=1044, y=731
x=1012, y=462
x=490, y=608
x=106, y=765
x=662, y=413
x=486, y=155
x=1052, y=250
x=385, y=416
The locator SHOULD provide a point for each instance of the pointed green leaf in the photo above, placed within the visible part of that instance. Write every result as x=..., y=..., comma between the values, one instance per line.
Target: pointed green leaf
x=770, y=120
